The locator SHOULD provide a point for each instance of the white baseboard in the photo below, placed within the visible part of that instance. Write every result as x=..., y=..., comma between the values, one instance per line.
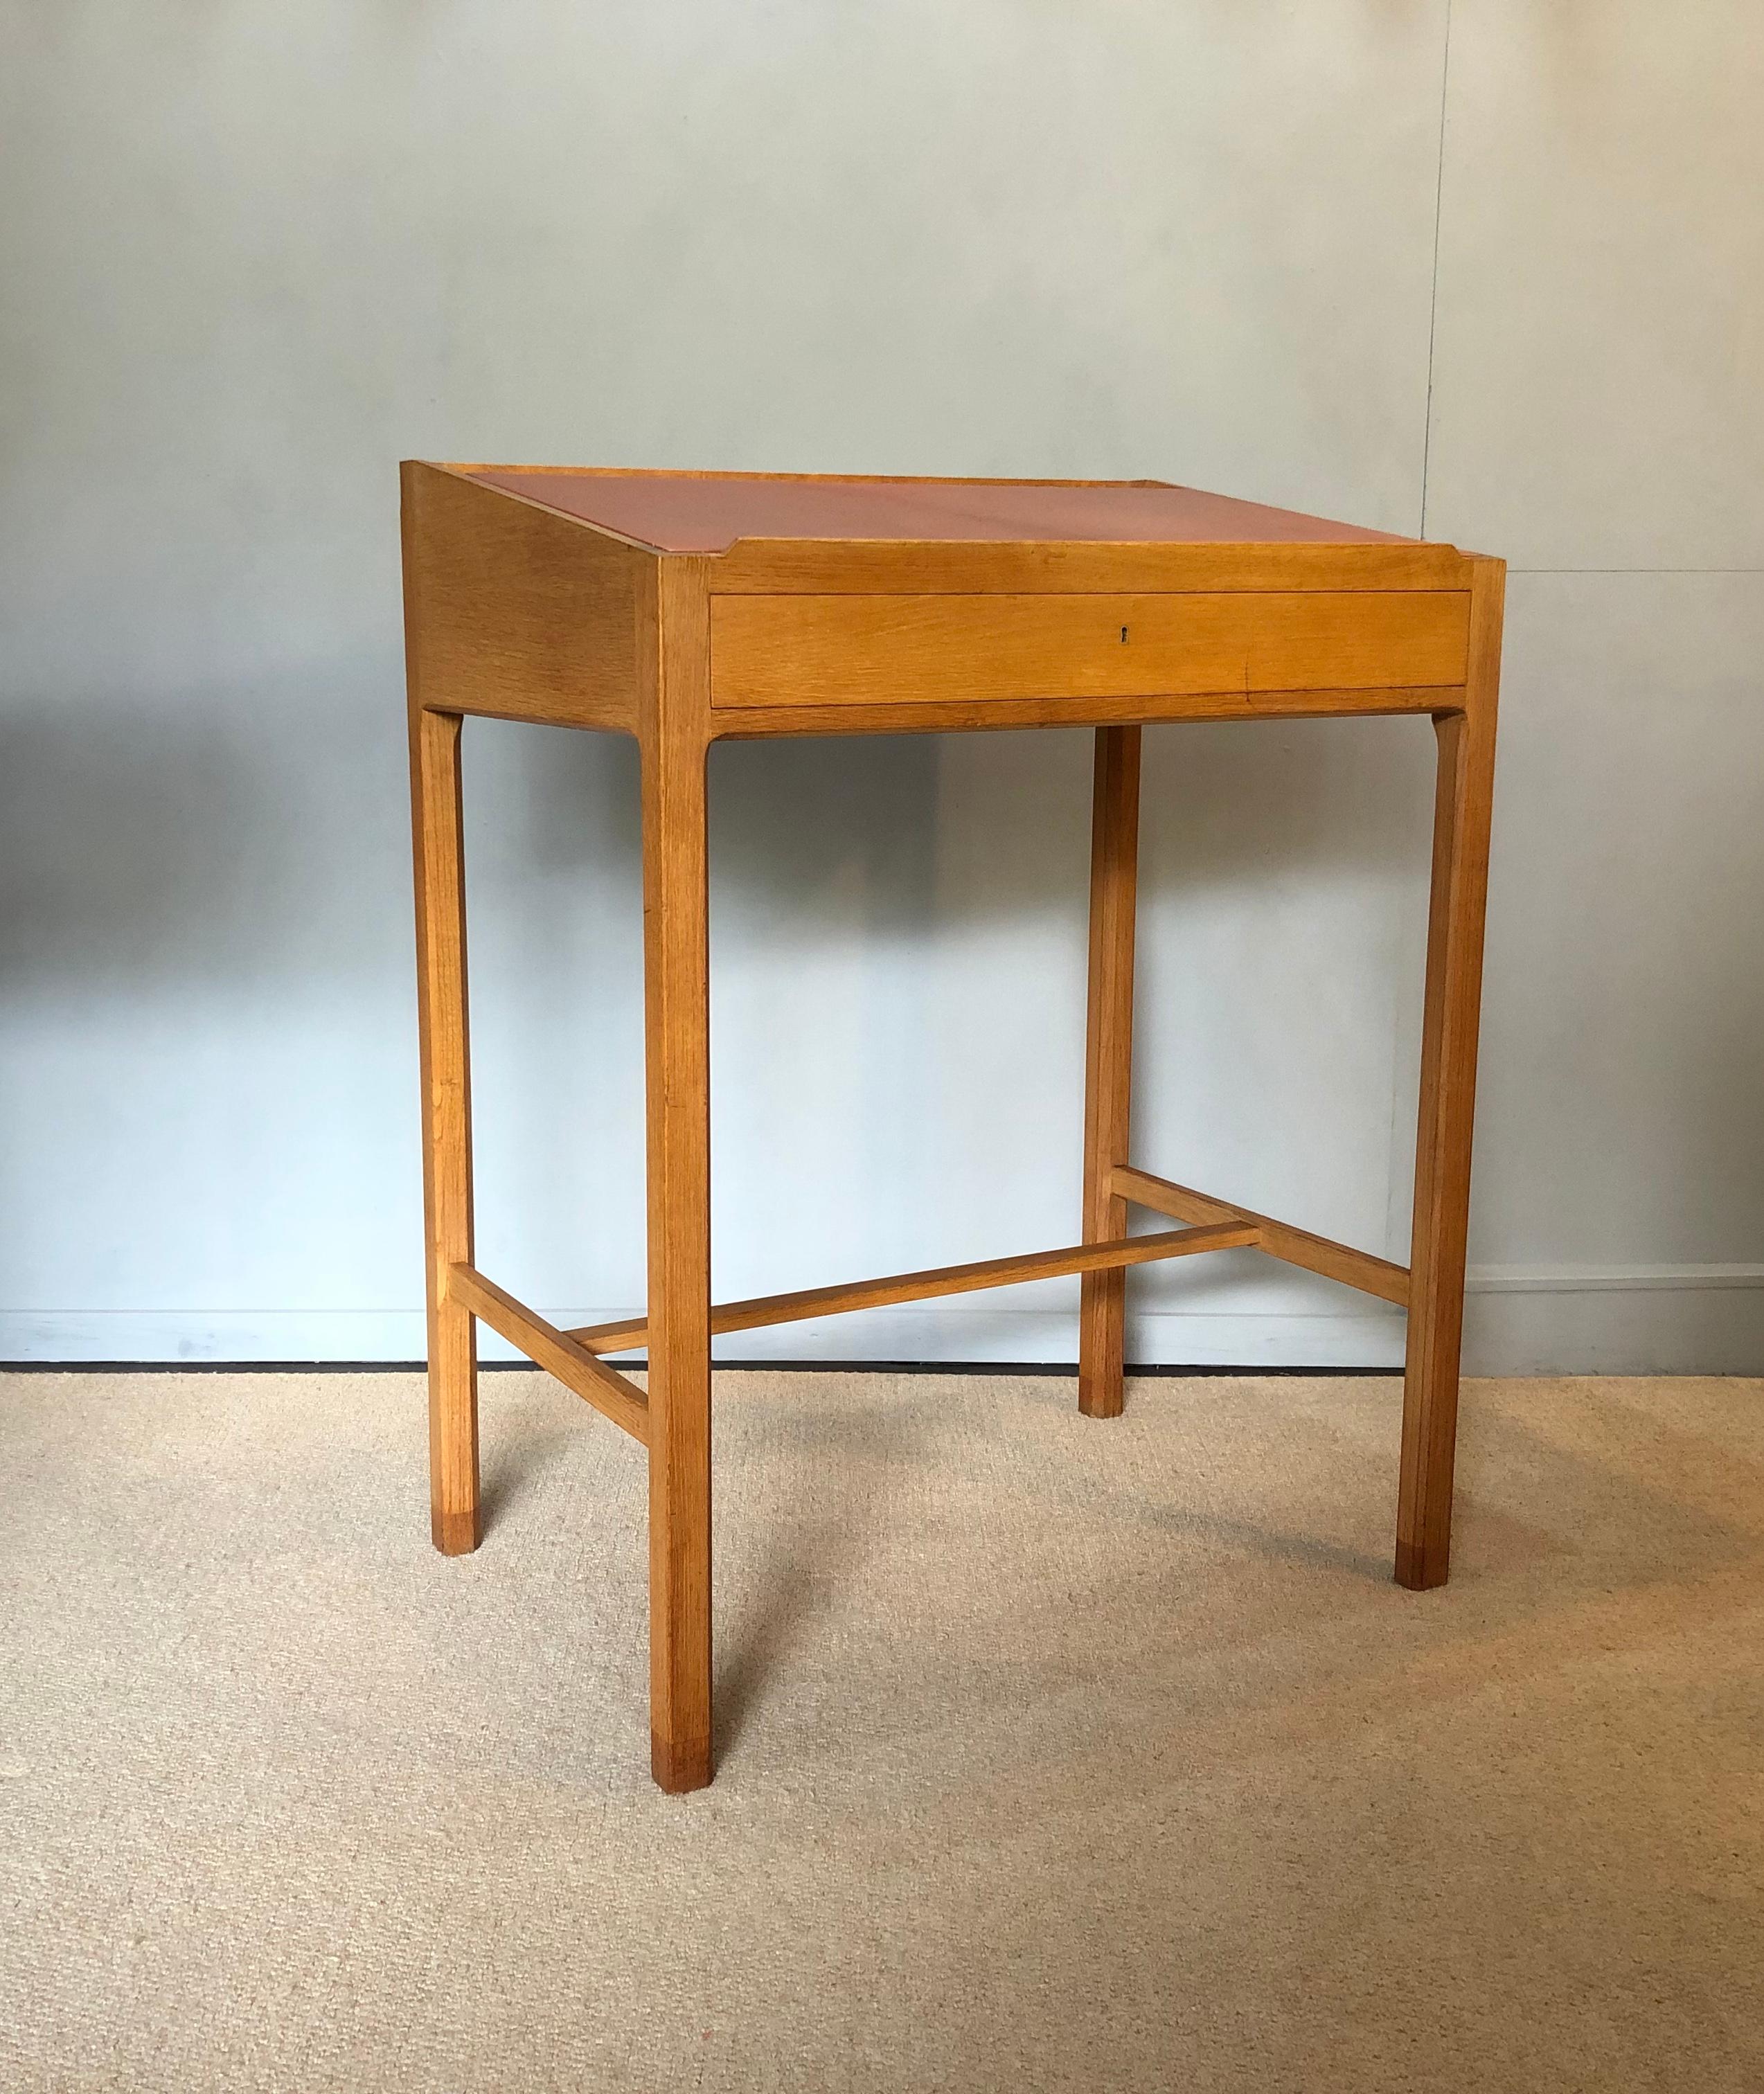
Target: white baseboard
x=1620, y=1319
x=1638, y=1319
x=191, y=1337
x=1598, y=1280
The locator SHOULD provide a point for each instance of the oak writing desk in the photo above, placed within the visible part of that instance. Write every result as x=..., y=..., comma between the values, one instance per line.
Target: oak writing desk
x=681, y=607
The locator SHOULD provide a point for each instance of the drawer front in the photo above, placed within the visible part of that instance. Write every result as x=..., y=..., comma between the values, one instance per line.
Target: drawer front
x=833, y=650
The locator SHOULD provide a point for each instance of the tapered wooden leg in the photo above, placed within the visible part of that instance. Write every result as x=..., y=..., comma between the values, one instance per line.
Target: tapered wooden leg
x=1462, y=810
x=677, y=1023
x=1108, y=1060
x=441, y=969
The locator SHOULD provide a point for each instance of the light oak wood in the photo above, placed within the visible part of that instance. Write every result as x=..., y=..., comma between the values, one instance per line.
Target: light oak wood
x=766, y=1310
x=781, y=566
x=446, y=1098
x=554, y=1350
x=1334, y=1260
x=835, y=651
x=814, y=606
x=969, y=716
x=1462, y=807
x=519, y=613
x=674, y=741
x=1109, y=1060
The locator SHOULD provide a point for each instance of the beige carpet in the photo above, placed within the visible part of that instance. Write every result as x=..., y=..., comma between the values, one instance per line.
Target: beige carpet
x=1058, y=1754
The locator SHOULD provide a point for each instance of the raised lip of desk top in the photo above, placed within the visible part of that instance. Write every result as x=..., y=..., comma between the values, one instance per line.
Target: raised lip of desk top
x=1291, y=532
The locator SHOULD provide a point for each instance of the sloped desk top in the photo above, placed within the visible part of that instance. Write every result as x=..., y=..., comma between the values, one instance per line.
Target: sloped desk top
x=686, y=512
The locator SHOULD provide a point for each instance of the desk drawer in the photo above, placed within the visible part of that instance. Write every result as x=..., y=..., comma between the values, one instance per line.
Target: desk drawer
x=853, y=650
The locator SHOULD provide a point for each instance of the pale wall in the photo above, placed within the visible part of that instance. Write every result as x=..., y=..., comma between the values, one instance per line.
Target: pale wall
x=254, y=253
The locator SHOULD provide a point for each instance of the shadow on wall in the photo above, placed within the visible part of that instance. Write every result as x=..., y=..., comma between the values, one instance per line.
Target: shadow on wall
x=252, y=839
x=809, y=826
x=234, y=834
x=988, y=826
x=823, y=871
x=898, y=939
x=825, y=837
x=829, y=831
x=214, y=839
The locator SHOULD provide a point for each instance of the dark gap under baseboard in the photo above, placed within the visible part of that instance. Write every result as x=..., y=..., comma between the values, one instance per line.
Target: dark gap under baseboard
x=736, y=1366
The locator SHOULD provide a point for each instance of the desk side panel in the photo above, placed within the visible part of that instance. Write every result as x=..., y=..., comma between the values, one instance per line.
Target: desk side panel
x=515, y=611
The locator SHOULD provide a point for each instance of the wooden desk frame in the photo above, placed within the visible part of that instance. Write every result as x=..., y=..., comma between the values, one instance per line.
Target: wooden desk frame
x=518, y=612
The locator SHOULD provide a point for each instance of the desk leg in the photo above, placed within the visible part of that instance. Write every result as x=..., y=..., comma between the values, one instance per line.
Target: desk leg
x=1442, y=1155
x=441, y=977
x=1108, y=1060
x=675, y=958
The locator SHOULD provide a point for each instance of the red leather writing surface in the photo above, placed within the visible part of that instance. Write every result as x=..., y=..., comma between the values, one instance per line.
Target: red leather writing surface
x=706, y=513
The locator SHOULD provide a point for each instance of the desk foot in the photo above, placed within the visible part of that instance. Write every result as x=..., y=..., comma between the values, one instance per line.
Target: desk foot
x=680, y=1769
x=455, y=1533
x=1417, y=1571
